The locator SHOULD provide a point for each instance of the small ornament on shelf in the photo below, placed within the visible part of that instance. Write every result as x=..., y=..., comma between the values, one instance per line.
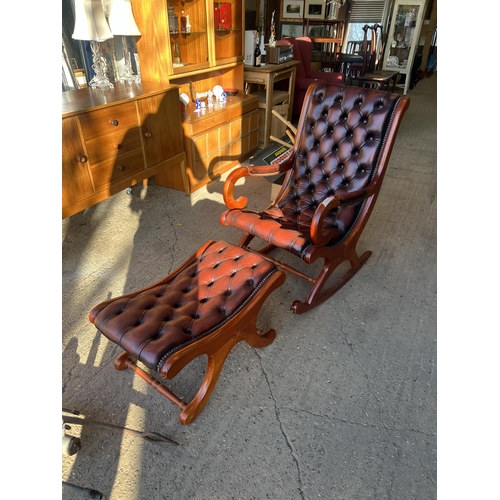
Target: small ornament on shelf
x=272, y=38
x=334, y=6
x=177, y=52
x=173, y=21
x=183, y=22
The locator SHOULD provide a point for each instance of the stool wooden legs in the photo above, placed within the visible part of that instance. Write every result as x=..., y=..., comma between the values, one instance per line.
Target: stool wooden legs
x=125, y=361
x=214, y=367
x=216, y=346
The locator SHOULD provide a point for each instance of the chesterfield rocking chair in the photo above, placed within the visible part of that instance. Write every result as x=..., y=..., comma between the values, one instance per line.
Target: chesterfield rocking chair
x=345, y=137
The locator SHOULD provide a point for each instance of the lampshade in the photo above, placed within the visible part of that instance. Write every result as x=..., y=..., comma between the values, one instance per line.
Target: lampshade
x=90, y=23
x=121, y=18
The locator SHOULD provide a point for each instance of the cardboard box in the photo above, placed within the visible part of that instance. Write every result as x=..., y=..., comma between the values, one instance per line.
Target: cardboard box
x=278, y=128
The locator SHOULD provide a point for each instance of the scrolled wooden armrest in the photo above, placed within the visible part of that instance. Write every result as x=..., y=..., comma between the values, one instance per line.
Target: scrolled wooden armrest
x=321, y=237
x=247, y=171
x=227, y=190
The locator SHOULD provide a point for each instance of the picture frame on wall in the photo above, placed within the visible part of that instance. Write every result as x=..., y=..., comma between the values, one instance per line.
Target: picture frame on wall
x=292, y=9
x=291, y=29
x=315, y=9
x=317, y=31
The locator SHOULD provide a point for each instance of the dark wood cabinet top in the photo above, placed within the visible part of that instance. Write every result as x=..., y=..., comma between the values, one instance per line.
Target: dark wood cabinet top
x=77, y=101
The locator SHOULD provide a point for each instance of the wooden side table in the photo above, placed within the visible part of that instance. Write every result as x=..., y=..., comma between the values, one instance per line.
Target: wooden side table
x=267, y=76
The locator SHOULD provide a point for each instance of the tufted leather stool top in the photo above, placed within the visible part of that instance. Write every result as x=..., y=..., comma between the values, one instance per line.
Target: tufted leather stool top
x=206, y=292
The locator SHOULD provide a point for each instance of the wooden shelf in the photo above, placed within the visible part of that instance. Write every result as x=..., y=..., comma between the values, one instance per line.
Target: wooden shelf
x=322, y=39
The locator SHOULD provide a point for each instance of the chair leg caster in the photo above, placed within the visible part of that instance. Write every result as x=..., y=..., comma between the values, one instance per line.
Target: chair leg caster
x=71, y=445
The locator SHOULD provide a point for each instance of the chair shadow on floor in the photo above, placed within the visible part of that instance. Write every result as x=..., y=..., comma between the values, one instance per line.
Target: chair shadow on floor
x=163, y=234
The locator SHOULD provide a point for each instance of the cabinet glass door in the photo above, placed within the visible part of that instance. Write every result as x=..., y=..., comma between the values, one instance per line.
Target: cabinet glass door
x=403, y=37
x=228, y=32
x=187, y=25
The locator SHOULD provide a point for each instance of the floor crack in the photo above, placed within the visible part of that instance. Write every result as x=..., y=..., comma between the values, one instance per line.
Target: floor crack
x=361, y=424
x=349, y=344
x=282, y=429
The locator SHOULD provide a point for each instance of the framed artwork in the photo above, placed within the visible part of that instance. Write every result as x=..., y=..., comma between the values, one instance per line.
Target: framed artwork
x=293, y=9
x=291, y=29
x=315, y=9
x=317, y=31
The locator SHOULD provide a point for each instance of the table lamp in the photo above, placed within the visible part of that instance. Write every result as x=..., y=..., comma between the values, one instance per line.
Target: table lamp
x=91, y=25
x=122, y=22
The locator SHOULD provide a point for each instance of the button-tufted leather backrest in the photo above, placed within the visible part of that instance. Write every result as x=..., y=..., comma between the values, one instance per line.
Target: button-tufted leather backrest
x=343, y=130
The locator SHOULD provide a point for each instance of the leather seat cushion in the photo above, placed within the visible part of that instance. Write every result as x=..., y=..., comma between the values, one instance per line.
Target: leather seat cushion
x=274, y=231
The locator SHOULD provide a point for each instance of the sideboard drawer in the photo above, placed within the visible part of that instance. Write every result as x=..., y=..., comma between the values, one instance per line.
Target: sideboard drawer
x=111, y=146
x=122, y=166
x=115, y=120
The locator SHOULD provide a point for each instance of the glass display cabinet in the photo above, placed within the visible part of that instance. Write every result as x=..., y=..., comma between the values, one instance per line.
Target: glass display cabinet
x=184, y=40
x=228, y=35
x=403, y=39
x=189, y=44
x=204, y=34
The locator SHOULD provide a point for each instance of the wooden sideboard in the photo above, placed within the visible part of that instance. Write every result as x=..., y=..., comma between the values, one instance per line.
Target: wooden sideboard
x=217, y=139
x=115, y=138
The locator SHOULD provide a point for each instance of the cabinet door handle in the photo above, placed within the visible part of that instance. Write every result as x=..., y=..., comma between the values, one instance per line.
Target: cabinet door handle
x=114, y=123
x=82, y=159
x=120, y=167
x=148, y=135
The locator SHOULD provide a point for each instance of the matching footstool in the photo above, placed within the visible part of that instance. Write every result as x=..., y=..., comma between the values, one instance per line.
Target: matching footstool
x=206, y=306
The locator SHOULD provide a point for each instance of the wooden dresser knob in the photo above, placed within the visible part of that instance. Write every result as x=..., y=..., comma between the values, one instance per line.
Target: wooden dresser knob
x=82, y=159
x=120, y=167
x=148, y=134
x=114, y=123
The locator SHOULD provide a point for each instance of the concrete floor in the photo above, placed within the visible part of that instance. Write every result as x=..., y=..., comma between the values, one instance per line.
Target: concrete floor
x=341, y=406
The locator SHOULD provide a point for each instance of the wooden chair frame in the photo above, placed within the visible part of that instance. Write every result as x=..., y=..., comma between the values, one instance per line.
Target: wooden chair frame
x=332, y=256
x=369, y=73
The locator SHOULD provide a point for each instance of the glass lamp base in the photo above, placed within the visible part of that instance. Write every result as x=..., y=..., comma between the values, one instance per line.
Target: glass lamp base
x=100, y=79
